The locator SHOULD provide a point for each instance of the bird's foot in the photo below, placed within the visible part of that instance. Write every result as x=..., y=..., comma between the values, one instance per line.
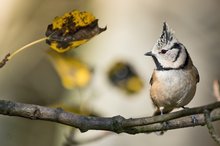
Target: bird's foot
x=165, y=125
x=194, y=119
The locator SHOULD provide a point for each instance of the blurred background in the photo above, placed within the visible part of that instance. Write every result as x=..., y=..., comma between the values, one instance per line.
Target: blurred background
x=133, y=28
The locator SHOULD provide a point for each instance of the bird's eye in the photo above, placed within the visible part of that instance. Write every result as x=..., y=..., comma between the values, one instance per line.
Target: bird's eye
x=163, y=51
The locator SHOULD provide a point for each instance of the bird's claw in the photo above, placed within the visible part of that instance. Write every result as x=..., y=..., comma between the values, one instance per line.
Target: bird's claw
x=194, y=119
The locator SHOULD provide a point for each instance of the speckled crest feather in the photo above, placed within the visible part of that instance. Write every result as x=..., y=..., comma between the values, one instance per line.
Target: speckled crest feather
x=166, y=36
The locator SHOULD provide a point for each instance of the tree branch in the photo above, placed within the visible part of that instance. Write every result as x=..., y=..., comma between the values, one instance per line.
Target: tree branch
x=210, y=127
x=117, y=124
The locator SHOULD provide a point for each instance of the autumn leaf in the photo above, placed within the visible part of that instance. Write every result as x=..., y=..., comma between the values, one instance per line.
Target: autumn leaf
x=124, y=76
x=72, y=71
x=72, y=30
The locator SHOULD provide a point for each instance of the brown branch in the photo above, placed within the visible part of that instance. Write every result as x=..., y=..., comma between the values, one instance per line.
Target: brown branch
x=210, y=127
x=4, y=60
x=116, y=124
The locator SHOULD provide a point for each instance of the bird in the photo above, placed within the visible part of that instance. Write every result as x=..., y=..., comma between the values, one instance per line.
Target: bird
x=174, y=80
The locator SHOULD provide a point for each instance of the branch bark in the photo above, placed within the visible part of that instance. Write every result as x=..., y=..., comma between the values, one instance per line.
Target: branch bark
x=210, y=127
x=117, y=124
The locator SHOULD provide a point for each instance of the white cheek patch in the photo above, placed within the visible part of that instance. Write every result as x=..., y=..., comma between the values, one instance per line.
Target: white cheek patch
x=172, y=59
x=169, y=56
x=165, y=63
x=181, y=59
x=173, y=55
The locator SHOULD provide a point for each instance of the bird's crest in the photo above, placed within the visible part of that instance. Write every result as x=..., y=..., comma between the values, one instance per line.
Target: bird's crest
x=166, y=36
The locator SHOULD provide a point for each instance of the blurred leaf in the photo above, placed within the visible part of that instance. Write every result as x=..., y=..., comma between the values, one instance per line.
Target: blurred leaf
x=73, y=72
x=123, y=76
x=72, y=30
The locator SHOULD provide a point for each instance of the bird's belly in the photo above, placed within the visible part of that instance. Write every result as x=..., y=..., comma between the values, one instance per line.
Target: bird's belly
x=173, y=89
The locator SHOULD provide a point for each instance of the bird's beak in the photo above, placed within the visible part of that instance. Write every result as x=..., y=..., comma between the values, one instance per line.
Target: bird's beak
x=148, y=54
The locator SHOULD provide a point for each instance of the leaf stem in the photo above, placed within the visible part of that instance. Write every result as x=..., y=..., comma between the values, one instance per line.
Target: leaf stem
x=26, y=46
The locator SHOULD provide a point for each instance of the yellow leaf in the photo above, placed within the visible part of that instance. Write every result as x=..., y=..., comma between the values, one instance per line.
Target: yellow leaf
x=124, y=77
x=73, y=72
x=134, y=84
x=54, y=45
x=72, y=30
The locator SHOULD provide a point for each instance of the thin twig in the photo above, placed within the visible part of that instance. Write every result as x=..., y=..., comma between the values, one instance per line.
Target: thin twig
x=210, y=127
x=9, y=56
x=26, y=46
x=4, y=60
x=72, y=141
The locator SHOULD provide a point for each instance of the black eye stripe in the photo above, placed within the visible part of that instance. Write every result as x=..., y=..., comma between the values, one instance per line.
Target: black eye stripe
x=176, y=45
x=177, y=56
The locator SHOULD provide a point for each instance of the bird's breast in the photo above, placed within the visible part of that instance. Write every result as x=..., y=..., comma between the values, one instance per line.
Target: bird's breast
x=173, y=88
